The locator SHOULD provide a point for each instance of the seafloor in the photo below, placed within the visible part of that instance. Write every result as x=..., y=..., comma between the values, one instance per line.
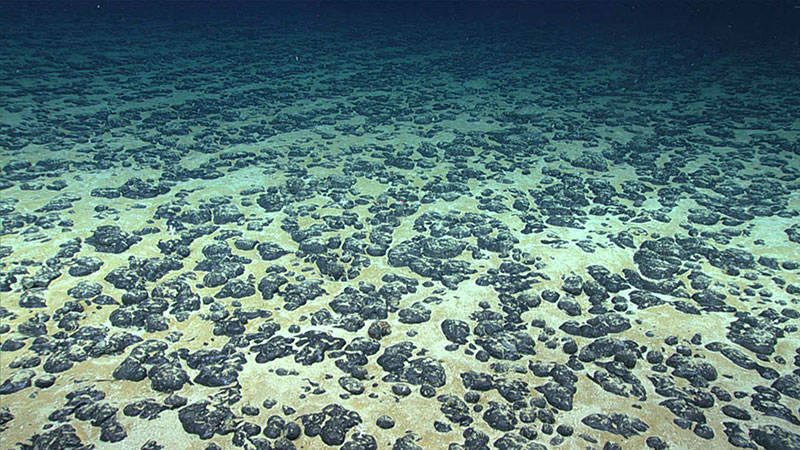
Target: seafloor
x=306, y=231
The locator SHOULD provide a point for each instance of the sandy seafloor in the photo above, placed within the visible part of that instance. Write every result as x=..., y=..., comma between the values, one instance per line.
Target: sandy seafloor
x=396, y=231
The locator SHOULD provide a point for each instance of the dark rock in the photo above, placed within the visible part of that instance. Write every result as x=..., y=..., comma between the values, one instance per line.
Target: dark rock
x=85, y=265
x=502, y=242
x=167, y=377
x=216, y=375
x=736, y=436
x=297, y=295
x=721, y=394
x=59, y=203
x=766, y=400
x=270, y=251
x=684, y=410
x=475, y=438
x=455, y=409
x=111, y=239
x=699, y=373
x=314, y=344
x=425, y=370
x=712, y=301
x=513, y=390
x=274, y=426
x=598, y=326
x=444, y=247
x=565, y=430
x=605, y=347
x=385, y=422
x=85, y=290
x=573, y=284
x=501, y=344
x=269, y=285
x=406, y=442
x=618, y=380
x=109, y=193
x=284, y=444
x=226, y=213
x=270, y=202
x=656, y=443
x=774, y=437
x=416, y=313
x=379, y=329
x=328, y=265
x=351, y=385
x=591, y=161
x=205, y=420
x=788, y=384
x=274, y=348
x=477, y=381
x=335, y=421
x=63, y=437
x=735, y=355
x=152, y=444
x=314, y=245
x=125, y=278
x=500, y=417
x=733, y=257
x=735, y=412
x=236, y=289
x=704, y=431
x=703, y=216
x=42, y=278
x=427, y=256
x=756, y=334
x=31, y=299
x=175, y=401
x=45, y=381
x=557, y=395
x=34, y=326
x=245, y=244
x=57, y=362
x=138, y=189
x=18, y=381
x=130, y=369
x=644, y=299
x=153, y=269
x=570, y=306
x=5, y=417
x=656, y=266
x=144, y=409
x=12, y=345
x=292, y=431
x=616, y=423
